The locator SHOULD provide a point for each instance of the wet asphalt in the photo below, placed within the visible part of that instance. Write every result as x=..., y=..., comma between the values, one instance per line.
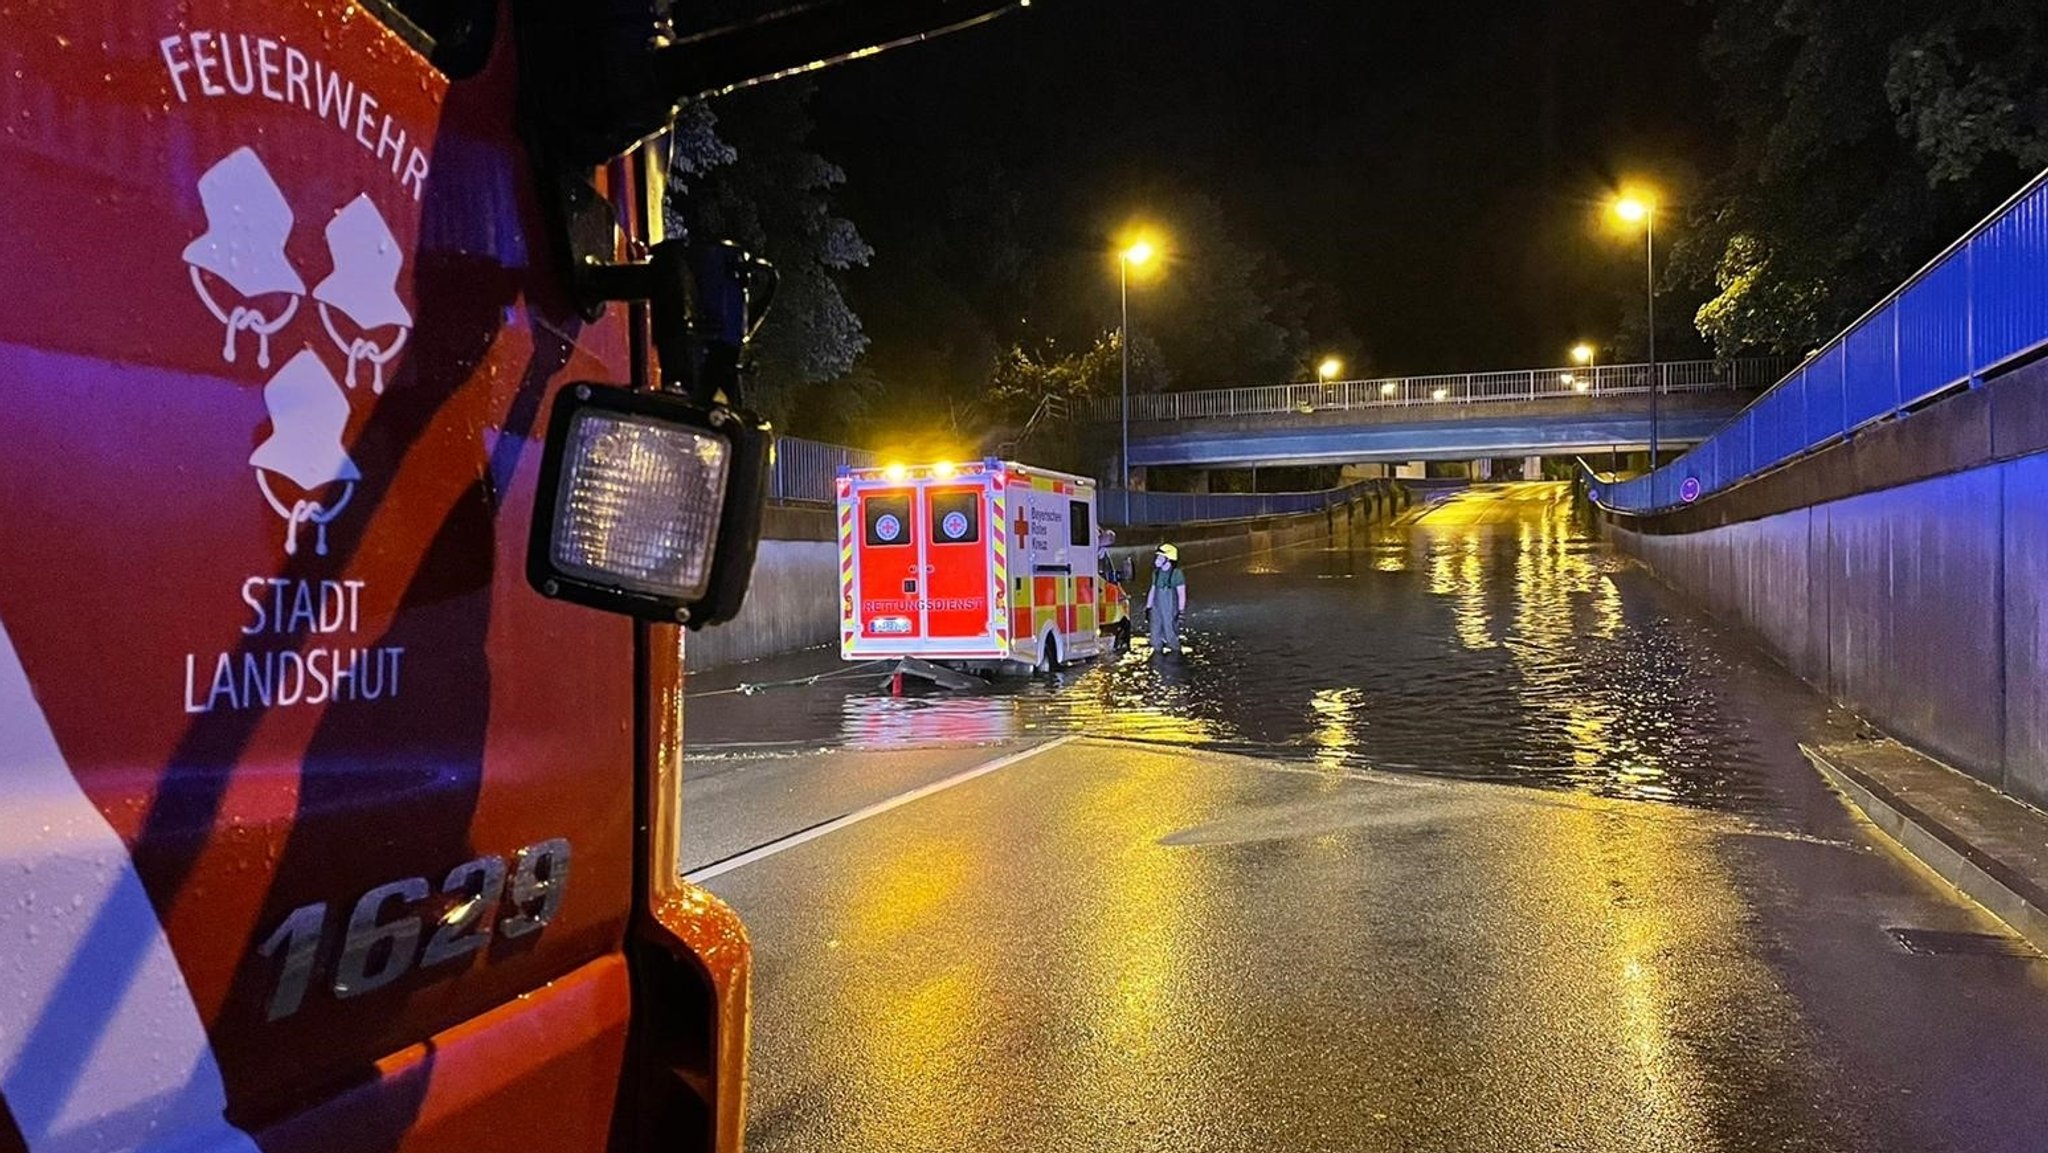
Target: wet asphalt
x=1460, y=833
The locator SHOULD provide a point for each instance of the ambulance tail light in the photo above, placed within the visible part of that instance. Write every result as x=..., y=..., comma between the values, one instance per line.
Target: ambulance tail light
x=649, y=505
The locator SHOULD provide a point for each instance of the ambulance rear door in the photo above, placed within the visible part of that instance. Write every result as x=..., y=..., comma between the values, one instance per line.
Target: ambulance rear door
x=886, y=572
x=959, y=570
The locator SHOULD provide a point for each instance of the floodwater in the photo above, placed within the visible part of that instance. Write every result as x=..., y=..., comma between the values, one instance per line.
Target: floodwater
x=1489, y=636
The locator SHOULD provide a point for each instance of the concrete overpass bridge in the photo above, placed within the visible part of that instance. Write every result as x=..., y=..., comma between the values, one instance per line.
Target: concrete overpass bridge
x=1409, y=420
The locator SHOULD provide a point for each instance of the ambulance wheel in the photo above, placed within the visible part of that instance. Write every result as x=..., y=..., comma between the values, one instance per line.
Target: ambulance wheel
x=1123, y=635
x=1049, y=656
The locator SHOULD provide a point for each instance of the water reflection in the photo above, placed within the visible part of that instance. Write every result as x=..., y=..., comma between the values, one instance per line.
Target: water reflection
x=1490, y=637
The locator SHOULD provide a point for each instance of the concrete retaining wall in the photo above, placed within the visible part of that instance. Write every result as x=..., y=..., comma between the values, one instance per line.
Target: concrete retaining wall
x=1923, y=607
x=793, y=603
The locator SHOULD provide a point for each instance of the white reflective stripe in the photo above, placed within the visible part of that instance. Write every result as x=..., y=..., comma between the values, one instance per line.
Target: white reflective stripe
x=101, y=1047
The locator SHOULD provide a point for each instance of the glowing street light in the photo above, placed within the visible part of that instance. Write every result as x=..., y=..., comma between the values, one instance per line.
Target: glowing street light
x=1582, y=353
x=1137, y=255
x=1640, y=208
x=1327, y=371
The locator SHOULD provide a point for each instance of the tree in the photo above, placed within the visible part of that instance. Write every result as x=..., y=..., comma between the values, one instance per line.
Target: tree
x=1024, y=376
x=1973, y=85
x=944, y=297
x=742, y=171
x=1869, y=135
x=1222, y=309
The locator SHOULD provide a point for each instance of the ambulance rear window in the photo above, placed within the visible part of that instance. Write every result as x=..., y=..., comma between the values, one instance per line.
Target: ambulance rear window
x=1078, y=533
x=888, y=520
x=956, y=518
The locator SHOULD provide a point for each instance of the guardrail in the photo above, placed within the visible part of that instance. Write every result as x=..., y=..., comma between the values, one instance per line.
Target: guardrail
x=1465, y=388
x=1980, y=305
x=806, y=471
x=1139, y=507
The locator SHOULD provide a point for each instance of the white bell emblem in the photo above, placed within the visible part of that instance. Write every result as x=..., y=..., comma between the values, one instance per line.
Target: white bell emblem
x=364, y=288
x=308, y=415
x=247, y=224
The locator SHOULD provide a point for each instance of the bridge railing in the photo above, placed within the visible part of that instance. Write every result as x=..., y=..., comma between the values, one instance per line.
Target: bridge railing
x=1132, y=506
x=1458, y=389
x=1978, y=307
x=806, y=472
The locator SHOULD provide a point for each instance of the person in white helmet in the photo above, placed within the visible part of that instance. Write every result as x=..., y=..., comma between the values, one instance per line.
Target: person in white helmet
x=1167, y=600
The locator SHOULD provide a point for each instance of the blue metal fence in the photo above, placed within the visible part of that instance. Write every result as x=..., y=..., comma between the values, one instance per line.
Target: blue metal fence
x=1977, y=307
x=806, y=471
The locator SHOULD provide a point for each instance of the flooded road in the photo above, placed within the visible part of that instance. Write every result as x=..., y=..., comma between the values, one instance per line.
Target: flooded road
x=1459, y=834
x=1489, y=637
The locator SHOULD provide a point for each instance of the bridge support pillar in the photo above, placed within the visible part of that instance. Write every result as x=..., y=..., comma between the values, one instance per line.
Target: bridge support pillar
x=1532, y=468
x=1482, y=469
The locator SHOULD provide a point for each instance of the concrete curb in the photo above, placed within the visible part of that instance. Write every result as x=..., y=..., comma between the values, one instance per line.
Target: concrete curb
x=2005, y=891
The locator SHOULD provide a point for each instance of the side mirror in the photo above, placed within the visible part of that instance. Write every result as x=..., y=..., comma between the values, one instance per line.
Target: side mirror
x=650, y=502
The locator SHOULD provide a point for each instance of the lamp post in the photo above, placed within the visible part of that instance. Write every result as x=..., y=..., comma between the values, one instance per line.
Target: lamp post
x=1584, y=353
x=1328, y=370
x=1639, y=208
x=1136, y=256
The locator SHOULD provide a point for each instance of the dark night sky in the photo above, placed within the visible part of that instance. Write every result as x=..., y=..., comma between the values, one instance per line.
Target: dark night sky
x=1438, y=164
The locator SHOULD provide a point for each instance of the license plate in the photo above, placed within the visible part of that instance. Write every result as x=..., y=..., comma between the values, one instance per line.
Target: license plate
x=890, y=626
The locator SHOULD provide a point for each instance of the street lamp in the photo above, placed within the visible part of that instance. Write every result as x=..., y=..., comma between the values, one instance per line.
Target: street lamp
x=1327, y=371
x=1138, y=255
x=1640, y=208
x=1584, y=353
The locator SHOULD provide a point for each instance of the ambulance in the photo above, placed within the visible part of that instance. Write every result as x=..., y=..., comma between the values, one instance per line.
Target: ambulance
x=989, y=567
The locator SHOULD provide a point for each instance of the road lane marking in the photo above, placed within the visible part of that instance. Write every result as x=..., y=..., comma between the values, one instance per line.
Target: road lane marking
x=784, y=844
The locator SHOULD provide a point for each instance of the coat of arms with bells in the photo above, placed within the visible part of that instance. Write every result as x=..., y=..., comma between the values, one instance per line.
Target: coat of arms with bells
x=245, y=279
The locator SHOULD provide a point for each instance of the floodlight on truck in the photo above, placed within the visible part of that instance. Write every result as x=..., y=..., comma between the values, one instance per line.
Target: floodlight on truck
x=644, y=505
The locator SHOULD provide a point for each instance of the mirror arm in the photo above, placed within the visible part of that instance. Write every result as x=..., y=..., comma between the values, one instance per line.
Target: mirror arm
x=810, y=36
